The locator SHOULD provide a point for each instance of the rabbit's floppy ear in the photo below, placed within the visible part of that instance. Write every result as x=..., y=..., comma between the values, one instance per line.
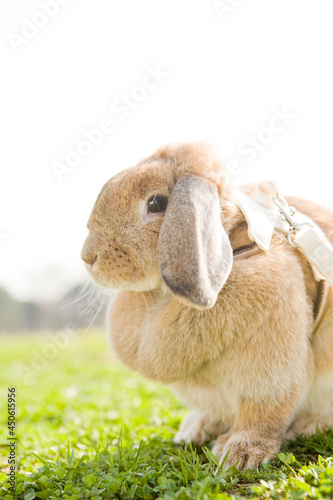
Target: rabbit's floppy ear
x=194, y=251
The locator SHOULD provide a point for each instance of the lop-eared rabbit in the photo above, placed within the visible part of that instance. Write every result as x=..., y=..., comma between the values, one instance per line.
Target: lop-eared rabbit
x=200, y=307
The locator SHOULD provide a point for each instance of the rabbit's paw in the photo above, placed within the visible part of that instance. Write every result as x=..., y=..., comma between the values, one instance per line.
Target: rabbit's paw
x=309, y=425
x=197, y=428
x=246, y=450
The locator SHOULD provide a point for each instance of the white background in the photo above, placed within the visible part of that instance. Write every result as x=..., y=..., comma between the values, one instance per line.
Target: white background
x=226, y=75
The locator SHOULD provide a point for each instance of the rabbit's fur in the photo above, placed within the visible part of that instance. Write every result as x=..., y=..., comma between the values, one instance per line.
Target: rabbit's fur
x=250, y=364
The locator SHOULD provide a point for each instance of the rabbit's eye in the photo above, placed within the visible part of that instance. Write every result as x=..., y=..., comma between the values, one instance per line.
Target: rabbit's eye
x=157, y=204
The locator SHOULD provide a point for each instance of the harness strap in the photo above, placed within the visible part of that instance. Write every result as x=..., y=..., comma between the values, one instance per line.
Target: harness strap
x=321, y=301
x=266, y=211
x=245, y=248
x=320, y=304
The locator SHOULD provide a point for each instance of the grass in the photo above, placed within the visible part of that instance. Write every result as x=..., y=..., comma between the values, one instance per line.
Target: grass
x=88, y=428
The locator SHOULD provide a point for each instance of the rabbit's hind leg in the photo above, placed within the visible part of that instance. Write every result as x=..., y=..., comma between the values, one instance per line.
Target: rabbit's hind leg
x=316, y=413
x=316, y=410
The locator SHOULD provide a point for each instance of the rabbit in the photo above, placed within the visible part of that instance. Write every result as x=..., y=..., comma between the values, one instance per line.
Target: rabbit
x=228, y=326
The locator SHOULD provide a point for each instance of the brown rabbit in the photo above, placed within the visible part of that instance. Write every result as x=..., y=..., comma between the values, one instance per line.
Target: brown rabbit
x=229, y=326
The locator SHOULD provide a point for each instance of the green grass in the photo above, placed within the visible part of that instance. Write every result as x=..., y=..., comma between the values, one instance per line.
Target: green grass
x=88, y=428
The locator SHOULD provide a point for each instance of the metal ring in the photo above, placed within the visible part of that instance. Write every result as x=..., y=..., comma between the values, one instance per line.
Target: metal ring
x=290, y=233
x=295, y=229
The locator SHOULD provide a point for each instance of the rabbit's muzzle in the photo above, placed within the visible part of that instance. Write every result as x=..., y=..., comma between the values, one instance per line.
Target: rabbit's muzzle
x=111, y=264
x=106, y=261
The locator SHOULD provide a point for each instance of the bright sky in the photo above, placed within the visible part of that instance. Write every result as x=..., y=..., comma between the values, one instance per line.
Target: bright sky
x=253, y=76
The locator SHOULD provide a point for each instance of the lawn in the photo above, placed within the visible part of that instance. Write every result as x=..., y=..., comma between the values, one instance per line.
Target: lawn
x=89, y=428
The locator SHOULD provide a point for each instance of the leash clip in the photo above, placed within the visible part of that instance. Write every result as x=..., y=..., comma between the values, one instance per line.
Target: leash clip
x=287, y=213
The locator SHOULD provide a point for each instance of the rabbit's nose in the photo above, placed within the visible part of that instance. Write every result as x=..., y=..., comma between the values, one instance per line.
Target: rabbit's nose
x=89, y=252
x=89, y=259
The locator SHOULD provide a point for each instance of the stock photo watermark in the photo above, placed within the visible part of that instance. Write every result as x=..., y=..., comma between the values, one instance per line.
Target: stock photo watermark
x=121, y=108
x=12, y=438
x=255, y=144
x=58, y=341
x=225, y=7
x=31, y=28
x=40, y=359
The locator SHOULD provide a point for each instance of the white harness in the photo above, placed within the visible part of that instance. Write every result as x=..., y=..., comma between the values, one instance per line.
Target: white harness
x=266, y=210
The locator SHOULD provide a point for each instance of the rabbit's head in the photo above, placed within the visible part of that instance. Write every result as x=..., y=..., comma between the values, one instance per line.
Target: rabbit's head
x=159, y=223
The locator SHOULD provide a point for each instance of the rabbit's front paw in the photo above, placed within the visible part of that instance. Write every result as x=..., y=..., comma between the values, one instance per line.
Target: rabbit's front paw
x=247, y=450
x=197, y=428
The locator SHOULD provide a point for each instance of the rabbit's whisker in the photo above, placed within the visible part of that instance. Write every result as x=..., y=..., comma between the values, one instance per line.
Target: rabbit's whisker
x=92, y=321
x=76, y=300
